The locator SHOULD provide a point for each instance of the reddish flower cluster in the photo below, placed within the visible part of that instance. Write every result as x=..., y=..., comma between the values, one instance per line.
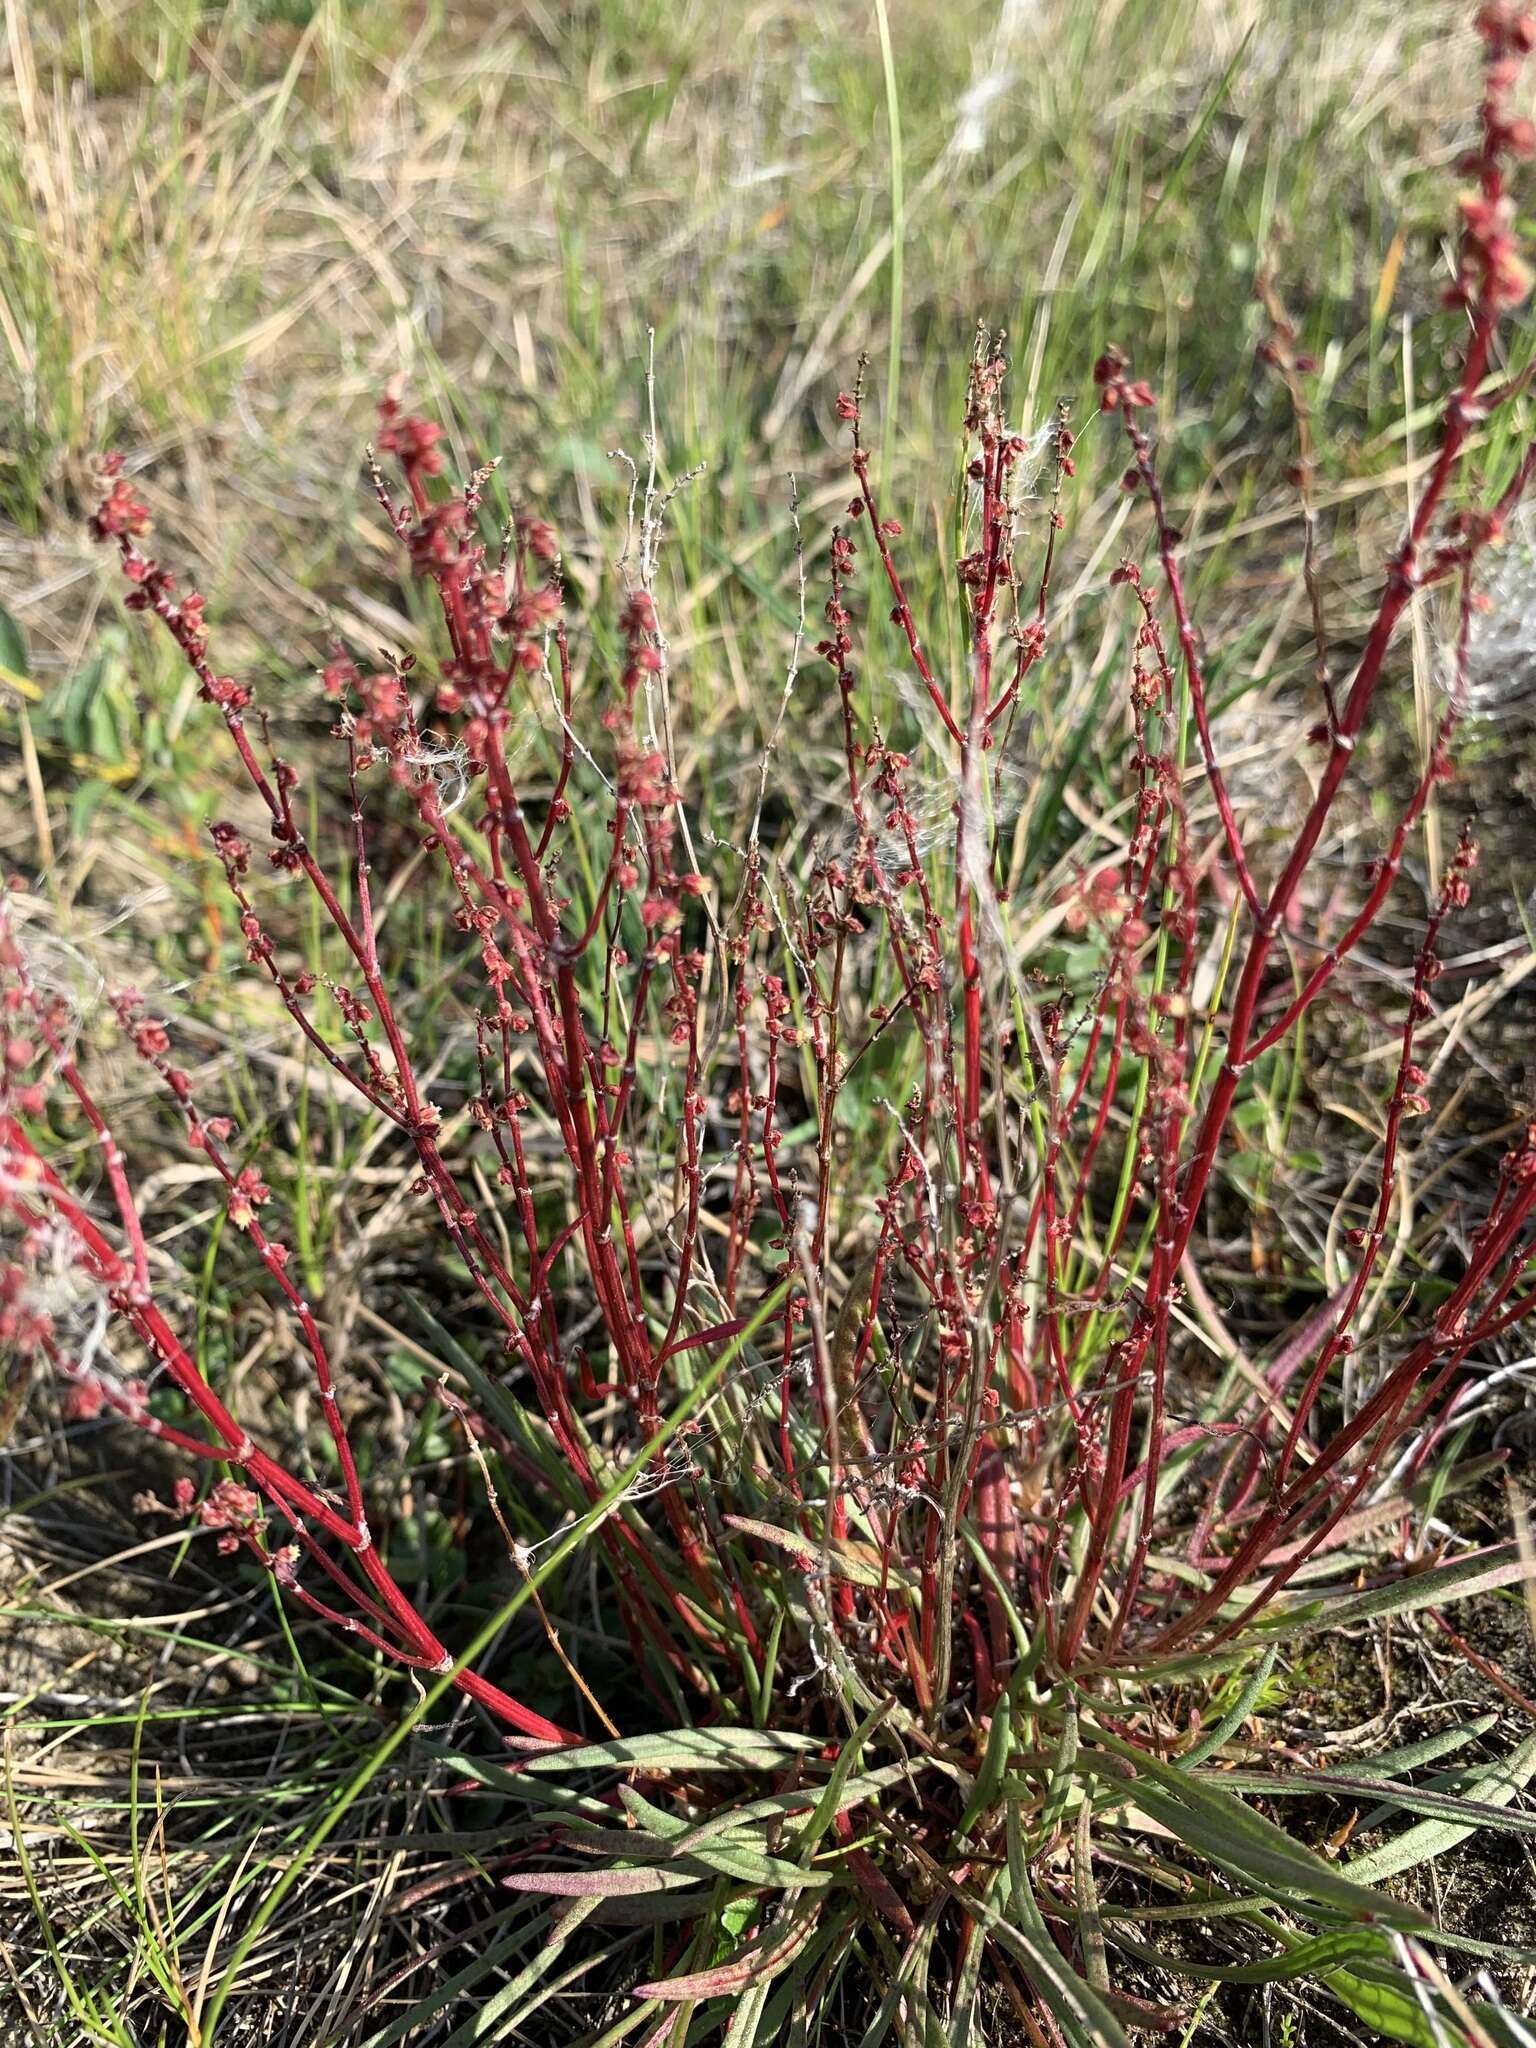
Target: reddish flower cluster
x=1492, y=274
x=1115, y=390
x=120, y=513
x=234, y=1510
x=413, y=440
x=24, y=1326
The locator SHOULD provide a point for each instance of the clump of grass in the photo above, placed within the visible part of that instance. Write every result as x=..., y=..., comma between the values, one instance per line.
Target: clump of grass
x=828, y=1260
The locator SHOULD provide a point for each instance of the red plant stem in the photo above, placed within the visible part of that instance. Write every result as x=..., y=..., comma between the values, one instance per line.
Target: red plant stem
x=1397, y=1109
x=1400, y=584
x=903, y=611
x=1388, y=865
x=567, y=746
x=1194, y=673
x=1440, y=1349
x=279, y=1486
x=1485, y=1665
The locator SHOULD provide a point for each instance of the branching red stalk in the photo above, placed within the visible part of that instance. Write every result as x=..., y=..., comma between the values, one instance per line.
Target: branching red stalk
x=681, y=1106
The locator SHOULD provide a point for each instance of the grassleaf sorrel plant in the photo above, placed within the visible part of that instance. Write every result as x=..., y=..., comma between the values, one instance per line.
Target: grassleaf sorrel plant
x=934, y=1556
